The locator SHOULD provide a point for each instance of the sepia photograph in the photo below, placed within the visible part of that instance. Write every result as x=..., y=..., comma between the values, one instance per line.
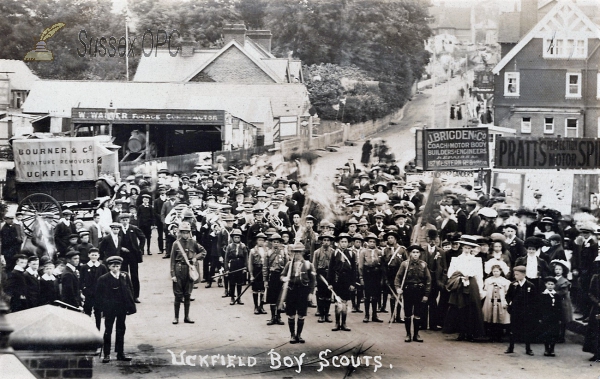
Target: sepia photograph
x=299, y=189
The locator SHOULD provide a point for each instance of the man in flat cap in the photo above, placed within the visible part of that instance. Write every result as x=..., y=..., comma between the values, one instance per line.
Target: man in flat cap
x=522, y=299
x=114, y=294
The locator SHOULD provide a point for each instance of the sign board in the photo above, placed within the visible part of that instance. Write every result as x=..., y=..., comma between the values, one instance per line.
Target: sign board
x=547, y=153
x=148, y=116
x=57, y=159
x=451, y=149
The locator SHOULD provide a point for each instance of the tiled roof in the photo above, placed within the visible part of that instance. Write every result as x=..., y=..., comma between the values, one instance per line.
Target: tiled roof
x=21, y=77
x=165, y=68
x=509, y=28
x=162, y=67
x=244, y=101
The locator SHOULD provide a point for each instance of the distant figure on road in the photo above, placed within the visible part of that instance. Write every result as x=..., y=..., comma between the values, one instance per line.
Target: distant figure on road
x=366, y=153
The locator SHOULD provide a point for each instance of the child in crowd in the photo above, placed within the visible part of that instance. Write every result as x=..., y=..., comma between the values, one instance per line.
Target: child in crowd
x=563, y=288
x=494, y=306
x=551, y=315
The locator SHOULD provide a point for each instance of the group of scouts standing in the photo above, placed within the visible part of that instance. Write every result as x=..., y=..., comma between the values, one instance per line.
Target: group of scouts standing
x=464, y=263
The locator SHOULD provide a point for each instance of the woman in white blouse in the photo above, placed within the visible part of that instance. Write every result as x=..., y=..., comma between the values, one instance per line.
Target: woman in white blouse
x=465, y=285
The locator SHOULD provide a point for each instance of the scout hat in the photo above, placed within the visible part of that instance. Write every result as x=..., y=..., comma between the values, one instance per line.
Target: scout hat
x=185, y=227
x=371, y=236
x=343, y=235
x=357, y=236
x=236, y=232
x=414, y=247
x=260, y=235
x=327, y=235
x=275, y=236
x=297, y=248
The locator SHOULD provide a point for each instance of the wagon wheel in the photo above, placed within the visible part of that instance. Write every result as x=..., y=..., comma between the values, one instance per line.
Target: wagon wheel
x=38, y=204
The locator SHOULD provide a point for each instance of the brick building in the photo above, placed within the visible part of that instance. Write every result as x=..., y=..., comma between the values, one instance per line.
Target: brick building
x=547, y=82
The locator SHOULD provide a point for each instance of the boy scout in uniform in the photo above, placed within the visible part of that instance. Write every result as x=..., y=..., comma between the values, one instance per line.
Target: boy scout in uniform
x=255, y=269
x=274, y=261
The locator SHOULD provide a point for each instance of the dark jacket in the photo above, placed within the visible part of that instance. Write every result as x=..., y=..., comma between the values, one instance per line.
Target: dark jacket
x=70, y=287
x=33, y=289
x=107, y=247
x=115, y=296
x=89, y=279
x=132, y=240
x=16, y=288
x=523, y=308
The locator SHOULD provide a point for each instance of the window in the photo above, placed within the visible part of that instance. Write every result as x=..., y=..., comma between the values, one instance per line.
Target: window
x=511, y=84
x=598, y=87
x=564, y=48
x=573, y=89
x=571, y=127
x=548, y=125
x=526, y=125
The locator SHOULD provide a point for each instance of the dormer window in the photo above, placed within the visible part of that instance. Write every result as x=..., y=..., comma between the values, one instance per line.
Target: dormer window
x=565, y=48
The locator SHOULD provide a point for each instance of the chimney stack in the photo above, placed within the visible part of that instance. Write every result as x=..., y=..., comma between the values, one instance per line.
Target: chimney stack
x=529, y=16
x=236, y=32
x=261, y=37
x=187, y=47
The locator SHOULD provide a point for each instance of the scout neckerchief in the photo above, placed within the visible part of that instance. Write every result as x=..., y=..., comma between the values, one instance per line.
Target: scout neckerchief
x=394, y=255
x=343, y=255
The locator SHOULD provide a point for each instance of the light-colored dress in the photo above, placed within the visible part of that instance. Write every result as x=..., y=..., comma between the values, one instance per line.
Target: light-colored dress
x=494, y=305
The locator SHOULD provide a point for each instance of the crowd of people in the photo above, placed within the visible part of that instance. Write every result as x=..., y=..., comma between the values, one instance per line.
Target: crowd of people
x=433, y=256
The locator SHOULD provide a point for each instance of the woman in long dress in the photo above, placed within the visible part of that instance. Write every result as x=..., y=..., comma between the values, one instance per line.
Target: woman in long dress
x=465, y=285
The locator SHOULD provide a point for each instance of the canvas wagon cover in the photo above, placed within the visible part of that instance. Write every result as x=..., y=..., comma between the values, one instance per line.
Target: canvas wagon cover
x=62, y=159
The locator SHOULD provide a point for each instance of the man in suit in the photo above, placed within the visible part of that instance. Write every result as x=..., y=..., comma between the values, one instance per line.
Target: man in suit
x=473, y=219
x=96, y=232
x=146, y=220
x=132, y=243
x=111, y=243
x=157, y=207
x=62, y=231
x=69, y=280
x=537, y=268
x=169, y=204
x=522, y=299
x=11, y=244
x=585, y=251
x=114, y=294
